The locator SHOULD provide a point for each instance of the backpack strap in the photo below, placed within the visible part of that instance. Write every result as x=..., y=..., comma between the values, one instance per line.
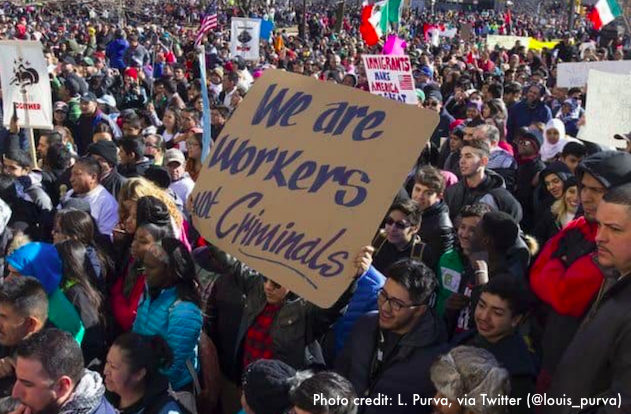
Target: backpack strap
x=379, y=240
x=418, y=248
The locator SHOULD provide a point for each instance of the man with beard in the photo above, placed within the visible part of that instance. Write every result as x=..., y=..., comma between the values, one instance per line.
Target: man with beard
x=51, y=377
x=565, y=275
x=528, y=111
x=597, y=362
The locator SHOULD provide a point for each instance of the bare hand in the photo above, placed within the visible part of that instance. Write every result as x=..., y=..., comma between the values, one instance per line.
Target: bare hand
x=22, y=409
x=363, y=260
x=6, y=367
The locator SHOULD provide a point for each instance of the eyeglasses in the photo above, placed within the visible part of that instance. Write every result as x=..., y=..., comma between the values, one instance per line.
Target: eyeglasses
x=395, y=304
x=432, y=104
x=401, y=225
x=524, y=142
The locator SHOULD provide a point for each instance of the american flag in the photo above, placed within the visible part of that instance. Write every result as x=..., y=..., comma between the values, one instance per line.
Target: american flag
x=209, y=22
x=406, y=83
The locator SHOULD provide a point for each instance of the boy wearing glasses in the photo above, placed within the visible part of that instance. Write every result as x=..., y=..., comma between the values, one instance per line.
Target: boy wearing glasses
x=399, y=239
x=390, y=351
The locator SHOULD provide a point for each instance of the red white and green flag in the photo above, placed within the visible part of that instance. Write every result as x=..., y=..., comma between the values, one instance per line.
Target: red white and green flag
x=376, y=19
x=604, y=12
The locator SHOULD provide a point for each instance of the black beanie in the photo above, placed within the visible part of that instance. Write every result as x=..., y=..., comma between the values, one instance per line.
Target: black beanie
x=159, y=176
x=266, y=385
x=151, y=210
x=105, y=149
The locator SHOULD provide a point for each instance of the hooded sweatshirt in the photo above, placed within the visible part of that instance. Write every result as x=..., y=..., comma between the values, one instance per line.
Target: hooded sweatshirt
x=41, y=261
x=548, y=151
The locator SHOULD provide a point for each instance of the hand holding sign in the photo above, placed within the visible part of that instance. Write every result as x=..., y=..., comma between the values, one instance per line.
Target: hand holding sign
x=296, y=179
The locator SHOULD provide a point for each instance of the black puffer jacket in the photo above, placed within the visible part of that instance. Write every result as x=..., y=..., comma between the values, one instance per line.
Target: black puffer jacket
x=490, y=190
x=402, y=376
x=436, y=228
x=238, y=299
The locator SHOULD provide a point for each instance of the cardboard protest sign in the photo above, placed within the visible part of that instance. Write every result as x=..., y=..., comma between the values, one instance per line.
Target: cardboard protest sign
x=570, y=75
x=390, y=76
x=506, y=42
x=244, y=38
x=25, y=82
x=608, y=108
x=302, y=175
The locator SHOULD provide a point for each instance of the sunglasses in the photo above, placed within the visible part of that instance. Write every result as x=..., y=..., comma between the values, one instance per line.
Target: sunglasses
x=401, y=225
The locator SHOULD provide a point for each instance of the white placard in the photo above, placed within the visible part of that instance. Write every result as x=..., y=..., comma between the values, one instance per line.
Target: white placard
x=25, y=82
x=507, y=42
x=390, y=76
x=608, y=109
x=244, y=38
x=570, y=75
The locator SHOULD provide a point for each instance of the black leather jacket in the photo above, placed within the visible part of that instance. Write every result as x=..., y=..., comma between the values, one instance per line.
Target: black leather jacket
x=436, y=228
x=238, y=298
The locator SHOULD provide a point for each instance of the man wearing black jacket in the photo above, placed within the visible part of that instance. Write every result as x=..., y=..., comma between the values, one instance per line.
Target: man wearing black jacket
x=501, y=308
x=105, y=152
x=436, y=227
x=597, y=363
x=389, y=352
x=529, y=165
x=479, y=185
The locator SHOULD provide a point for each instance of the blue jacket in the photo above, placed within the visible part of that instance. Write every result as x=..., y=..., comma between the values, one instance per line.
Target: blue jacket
x=180, y=324
x=521, y=115
x=363, y=301
x=116, y=52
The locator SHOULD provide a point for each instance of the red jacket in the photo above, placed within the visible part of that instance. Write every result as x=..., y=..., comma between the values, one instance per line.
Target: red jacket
x=125, y=308
x=569, y=291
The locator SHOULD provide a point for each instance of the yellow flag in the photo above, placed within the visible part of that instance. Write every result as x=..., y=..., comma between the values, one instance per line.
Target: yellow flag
x=539, y=45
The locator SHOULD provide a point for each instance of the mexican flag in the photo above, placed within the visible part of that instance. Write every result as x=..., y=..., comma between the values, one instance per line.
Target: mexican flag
x=604, y=12
x=377, y=17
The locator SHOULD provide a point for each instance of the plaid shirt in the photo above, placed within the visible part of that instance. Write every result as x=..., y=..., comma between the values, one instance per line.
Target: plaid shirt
x=258, y=341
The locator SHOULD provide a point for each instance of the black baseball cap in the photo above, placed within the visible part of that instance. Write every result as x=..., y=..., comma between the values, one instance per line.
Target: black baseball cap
x=88, y=97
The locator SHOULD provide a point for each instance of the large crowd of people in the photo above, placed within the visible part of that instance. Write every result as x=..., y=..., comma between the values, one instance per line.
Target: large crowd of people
x=501, y=269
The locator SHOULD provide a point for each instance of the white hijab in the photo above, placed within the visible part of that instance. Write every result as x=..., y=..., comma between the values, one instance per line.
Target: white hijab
x=549, y=151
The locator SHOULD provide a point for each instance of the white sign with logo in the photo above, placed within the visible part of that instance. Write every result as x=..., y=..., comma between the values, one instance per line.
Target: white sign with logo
x=244, y=38
x=25, y=84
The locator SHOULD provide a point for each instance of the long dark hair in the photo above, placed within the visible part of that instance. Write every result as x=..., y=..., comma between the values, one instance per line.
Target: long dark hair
x=79, y=225
x=150, y=353
x=182, y=268
x=75, y=264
